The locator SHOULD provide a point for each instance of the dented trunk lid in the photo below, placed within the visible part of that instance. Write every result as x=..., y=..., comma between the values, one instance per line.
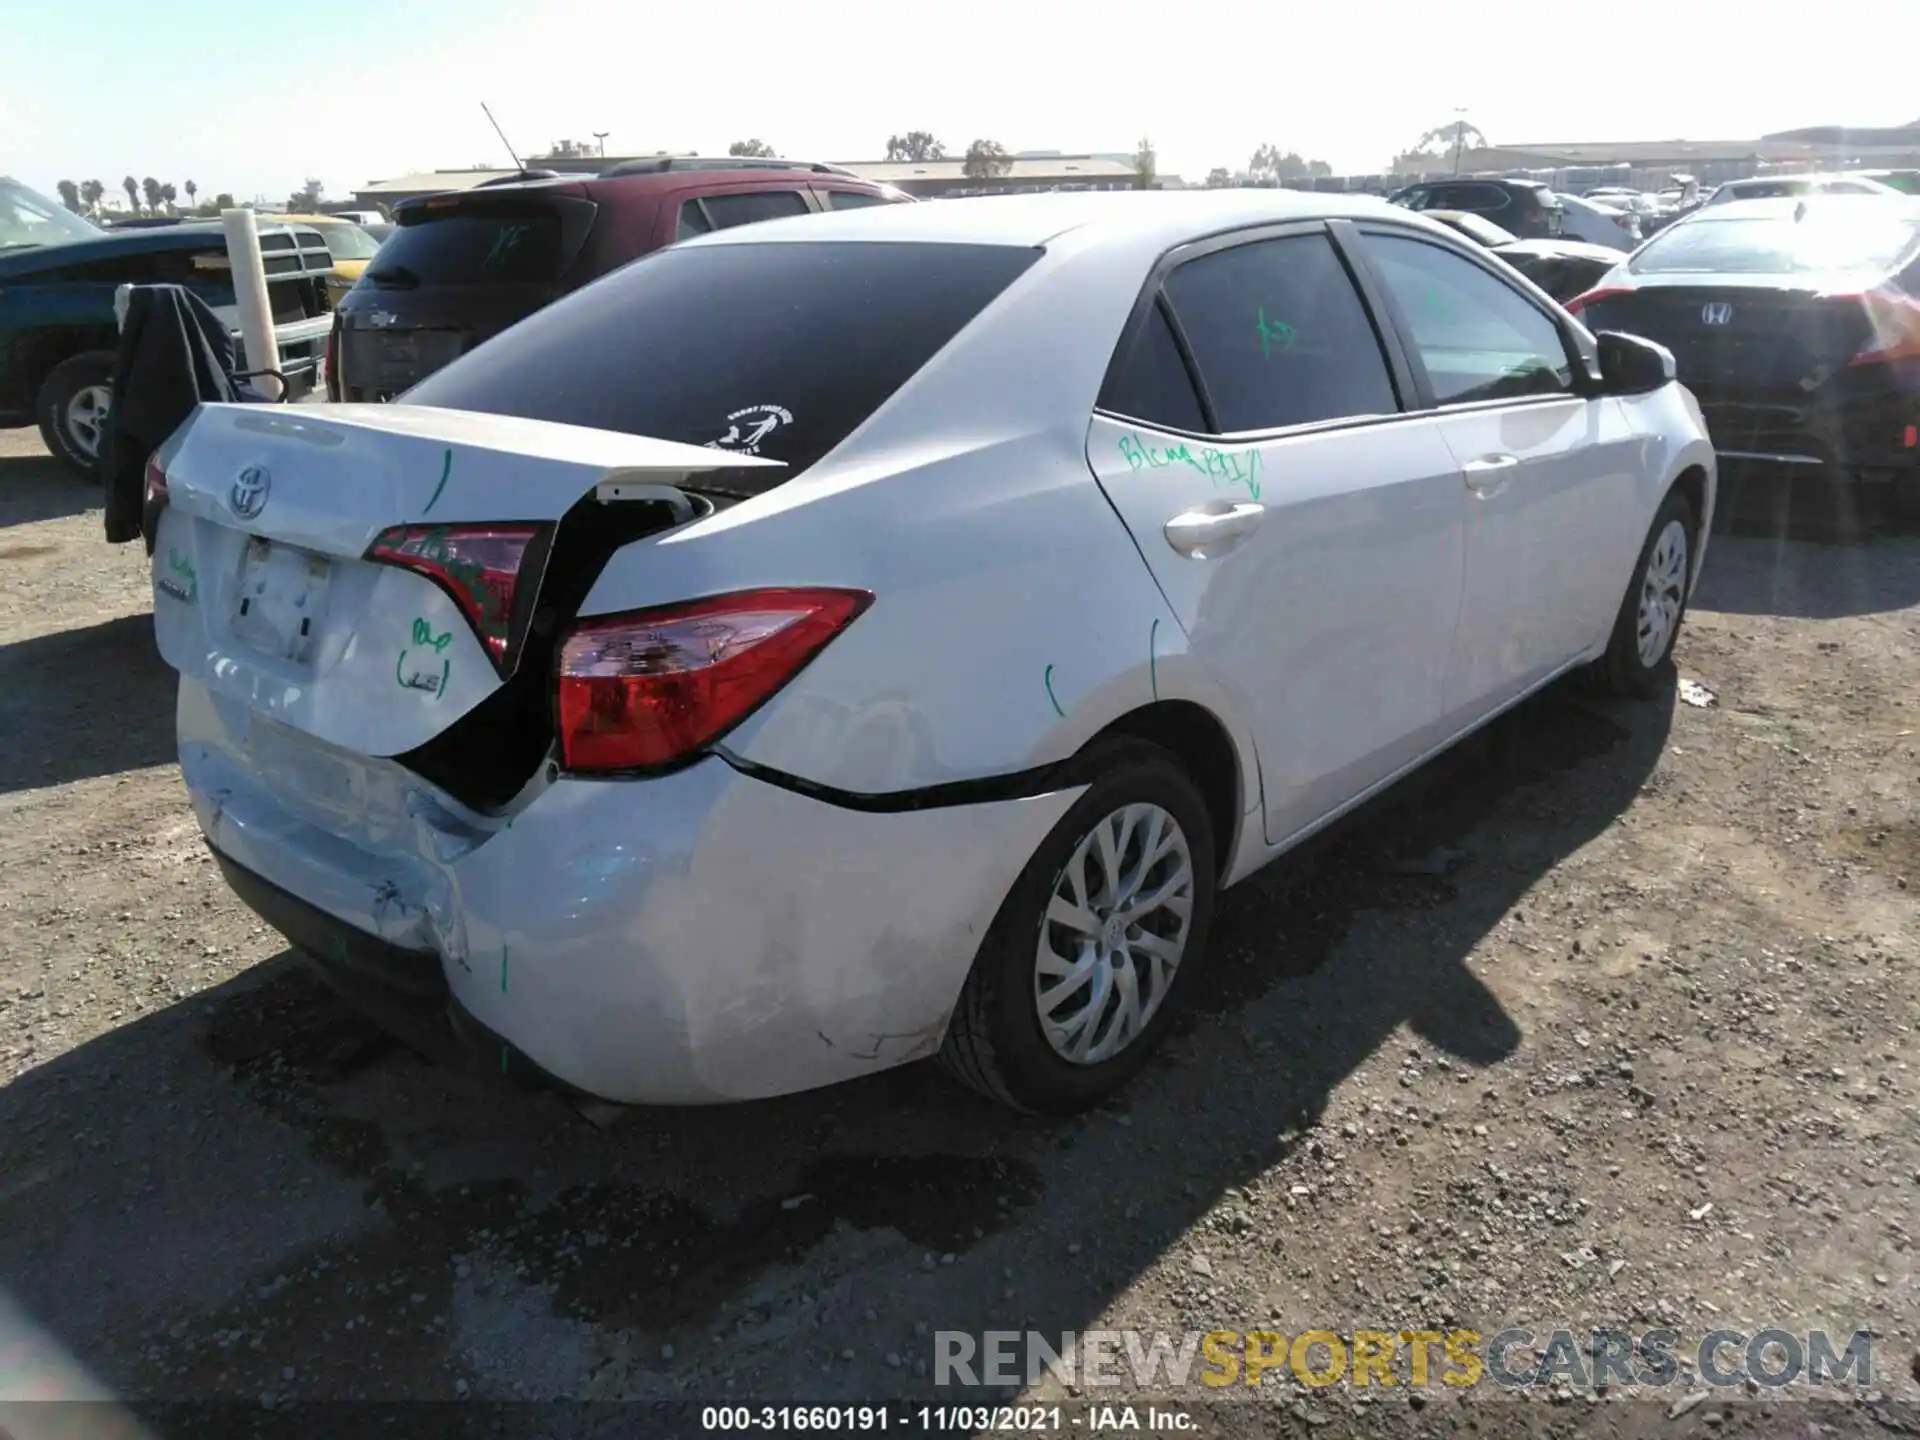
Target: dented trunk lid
x=269, y=592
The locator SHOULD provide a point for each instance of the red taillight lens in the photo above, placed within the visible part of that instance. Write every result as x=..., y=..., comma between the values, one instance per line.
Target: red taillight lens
x=478, y=565
x=642, y=690
x=154, y=496
x=1592, y=297
x=1895, y=319
x=153, y=499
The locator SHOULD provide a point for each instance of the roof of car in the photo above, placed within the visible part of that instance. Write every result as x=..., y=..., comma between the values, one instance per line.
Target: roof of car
x=1783, y=207
x=1164, y=215
x=669, y=181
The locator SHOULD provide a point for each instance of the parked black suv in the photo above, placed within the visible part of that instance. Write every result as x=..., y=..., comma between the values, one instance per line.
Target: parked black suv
x=1526, y=208
x=462, y=267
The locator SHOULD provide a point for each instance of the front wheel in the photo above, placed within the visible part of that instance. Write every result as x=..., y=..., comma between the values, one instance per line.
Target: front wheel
x=1656, y=602
x=1096, y=943
x=75, y=408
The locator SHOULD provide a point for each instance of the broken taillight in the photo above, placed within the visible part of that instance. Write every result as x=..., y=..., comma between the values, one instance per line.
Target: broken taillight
x=649, y=688
x=478, y=565
x=153, y=499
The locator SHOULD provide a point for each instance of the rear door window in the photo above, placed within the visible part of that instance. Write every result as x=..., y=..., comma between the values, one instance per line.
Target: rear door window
x=850, y=199
x=745, y=207
x=693, y=221
x=1279, y=335
x=723, y=345
x=457, y=246
x=1149, y=380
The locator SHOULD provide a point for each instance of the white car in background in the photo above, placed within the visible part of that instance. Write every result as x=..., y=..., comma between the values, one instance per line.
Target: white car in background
x=1599, y=224
x=829, y=643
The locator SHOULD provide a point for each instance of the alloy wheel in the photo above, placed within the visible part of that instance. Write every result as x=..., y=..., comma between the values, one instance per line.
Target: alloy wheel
x=88, y=411
x=1114, y=934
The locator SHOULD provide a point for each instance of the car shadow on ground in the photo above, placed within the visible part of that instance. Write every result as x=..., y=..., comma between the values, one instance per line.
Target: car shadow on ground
x=38, y=487
x=212, y=1192
x=1773, y=575
x=77, y=704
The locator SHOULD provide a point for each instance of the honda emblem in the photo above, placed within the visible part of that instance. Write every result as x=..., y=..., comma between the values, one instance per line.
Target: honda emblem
x=1716, y=313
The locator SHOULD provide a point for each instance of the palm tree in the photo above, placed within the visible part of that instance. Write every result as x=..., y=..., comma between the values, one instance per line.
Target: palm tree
x=169, y=194
x=92, y=191
x=192, y=190
x=132, y=187
x=69, y=195
x=150, y=187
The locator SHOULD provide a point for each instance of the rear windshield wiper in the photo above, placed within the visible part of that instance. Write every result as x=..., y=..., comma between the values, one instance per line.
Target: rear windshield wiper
x=394, y=277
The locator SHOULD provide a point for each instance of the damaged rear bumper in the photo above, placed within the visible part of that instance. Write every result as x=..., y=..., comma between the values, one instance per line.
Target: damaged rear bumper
x=697, y=937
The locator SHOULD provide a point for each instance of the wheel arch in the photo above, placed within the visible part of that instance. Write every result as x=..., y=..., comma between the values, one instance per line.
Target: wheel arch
x=1694, y=484
x=36, y=353
x=1201, y=742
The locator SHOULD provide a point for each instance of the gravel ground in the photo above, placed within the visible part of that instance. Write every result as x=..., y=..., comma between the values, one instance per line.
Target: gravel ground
x=1608, y=1020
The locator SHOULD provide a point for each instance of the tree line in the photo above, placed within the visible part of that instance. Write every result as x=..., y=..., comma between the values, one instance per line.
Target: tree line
x=84, y=197
x=1268, y=165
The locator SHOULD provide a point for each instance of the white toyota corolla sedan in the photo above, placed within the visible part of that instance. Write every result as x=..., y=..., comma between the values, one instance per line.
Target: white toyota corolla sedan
x=833, y=642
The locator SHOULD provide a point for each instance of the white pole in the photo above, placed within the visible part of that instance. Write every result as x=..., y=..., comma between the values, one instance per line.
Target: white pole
x=250, y=295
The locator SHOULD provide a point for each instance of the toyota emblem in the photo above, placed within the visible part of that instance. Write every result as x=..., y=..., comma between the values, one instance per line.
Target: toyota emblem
x=1718, y=312
x=249, y=494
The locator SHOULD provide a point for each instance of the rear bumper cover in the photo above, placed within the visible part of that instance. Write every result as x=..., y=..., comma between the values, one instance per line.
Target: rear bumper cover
x=699, y=937
x=1860, y=428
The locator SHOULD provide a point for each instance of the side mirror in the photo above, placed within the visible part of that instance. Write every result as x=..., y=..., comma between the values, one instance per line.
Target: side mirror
x=1630, y=365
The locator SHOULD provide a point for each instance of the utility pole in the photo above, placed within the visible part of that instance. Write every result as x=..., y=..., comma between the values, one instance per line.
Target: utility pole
x=601, y=136
x=1459, y=135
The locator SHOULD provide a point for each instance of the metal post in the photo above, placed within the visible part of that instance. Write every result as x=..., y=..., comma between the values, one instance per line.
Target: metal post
x=250, y=296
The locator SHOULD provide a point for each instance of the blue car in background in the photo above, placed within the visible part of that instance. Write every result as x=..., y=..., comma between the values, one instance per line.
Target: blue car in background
x=58, y=275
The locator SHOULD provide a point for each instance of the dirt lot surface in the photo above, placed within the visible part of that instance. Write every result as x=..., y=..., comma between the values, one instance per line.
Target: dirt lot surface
x=1609, y=1021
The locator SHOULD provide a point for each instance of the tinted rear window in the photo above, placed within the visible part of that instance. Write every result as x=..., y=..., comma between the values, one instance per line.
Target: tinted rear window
x=775, y=350
x=468, y=249
x=1849, y=239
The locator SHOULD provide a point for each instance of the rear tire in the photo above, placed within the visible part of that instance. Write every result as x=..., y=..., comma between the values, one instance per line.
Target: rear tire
x=75, y=410
x=1056, y=1016
x=1655, y=606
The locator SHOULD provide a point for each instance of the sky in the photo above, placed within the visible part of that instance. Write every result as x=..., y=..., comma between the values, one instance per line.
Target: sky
x=351, y=91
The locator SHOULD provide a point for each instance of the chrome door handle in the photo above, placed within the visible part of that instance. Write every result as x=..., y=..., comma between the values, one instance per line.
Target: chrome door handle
x=1489, y=473
x=1200, y=533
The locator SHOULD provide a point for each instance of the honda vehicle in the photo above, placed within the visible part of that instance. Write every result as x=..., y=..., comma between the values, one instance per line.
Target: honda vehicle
x=1796, y=322
x=829, y=643
x=462, y=267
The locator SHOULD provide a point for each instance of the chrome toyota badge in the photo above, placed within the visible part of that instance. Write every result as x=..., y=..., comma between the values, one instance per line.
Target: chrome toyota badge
x=249, y=494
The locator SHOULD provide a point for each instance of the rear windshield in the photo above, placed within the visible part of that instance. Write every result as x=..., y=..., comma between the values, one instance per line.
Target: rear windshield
x=348, y=242
x=777, y=350
x=1780, y=245
x=472, y=249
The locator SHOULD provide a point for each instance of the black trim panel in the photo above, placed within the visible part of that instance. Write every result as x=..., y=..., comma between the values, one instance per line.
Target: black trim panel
x=1019, y=785
x=404, y=992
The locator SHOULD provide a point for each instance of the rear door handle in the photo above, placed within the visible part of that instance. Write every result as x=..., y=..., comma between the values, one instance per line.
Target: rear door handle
x=1201, y=533
x=1490, y=473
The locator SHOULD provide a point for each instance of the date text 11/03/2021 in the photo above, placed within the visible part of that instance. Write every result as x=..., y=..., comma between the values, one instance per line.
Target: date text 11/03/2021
x=949, y=1419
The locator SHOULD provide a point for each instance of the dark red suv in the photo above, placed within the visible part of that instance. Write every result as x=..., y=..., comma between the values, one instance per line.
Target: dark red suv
x=462, y=267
